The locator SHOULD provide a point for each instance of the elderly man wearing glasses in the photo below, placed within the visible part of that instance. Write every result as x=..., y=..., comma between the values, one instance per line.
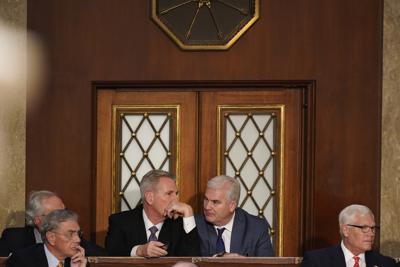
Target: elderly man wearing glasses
x=61, y=248
x=357, y=228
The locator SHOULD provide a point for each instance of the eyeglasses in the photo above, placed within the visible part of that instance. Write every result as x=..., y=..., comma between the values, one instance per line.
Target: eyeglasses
x=365, y=228
x=71, y=233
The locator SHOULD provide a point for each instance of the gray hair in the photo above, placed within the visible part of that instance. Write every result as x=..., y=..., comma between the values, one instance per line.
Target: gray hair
x=52, y=220
x=34, y=204
x=233, y=192
x=348, y=214
x=150, y=179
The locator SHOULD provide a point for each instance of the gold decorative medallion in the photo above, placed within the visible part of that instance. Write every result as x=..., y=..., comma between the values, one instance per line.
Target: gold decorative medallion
x=205, y=24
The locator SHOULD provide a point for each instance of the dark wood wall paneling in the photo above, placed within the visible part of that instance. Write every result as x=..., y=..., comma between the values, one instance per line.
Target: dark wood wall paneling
x=337, y=43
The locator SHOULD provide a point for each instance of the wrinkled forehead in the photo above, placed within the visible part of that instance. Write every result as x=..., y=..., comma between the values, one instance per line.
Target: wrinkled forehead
x=69, y=225
x=215, y=194
x=362, y=219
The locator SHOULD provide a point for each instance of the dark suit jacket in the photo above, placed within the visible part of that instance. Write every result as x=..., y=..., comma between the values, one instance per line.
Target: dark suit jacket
x=33, y=256
x=17, y=238
x=249, y=236
x=334, y=257
x=126, y=230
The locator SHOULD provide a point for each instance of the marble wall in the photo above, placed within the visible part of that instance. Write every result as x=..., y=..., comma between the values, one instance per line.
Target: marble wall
x=390, y=174
x=12, y=111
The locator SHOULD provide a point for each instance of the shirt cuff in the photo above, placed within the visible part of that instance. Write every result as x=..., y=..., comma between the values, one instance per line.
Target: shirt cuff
x=189, y=224
x=133, y=251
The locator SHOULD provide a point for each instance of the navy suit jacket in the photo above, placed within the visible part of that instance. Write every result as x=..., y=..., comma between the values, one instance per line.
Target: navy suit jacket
x=126, y=230
x=334, y=257
x=13, y=239
x=249, y=236
x=33, y=256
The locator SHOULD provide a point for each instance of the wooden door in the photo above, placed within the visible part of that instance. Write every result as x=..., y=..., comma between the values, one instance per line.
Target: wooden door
x=113, y=107
x=283, y=185
x=257, y=135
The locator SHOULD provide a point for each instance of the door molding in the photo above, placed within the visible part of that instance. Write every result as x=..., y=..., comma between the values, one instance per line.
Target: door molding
x=307, y=89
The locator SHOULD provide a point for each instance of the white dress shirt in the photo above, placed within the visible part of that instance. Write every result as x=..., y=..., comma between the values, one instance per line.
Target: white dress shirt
x=51, y=259
x=348, y=257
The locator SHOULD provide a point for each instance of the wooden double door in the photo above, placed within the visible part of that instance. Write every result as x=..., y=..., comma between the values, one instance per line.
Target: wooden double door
x=257, y=133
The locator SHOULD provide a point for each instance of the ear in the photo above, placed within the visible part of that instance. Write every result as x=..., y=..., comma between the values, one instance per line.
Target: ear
x=37, y=221
x=149, y=197
x=51, y=238
x=345, y=230
x=232, y=206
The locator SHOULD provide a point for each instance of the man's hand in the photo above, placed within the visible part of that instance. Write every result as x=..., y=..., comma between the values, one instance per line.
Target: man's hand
x=178, y=209
x=233, y=255
x=153, y=249
x=79, y=259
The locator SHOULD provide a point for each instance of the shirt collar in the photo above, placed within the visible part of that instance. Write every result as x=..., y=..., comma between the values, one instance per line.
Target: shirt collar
x=51, y=259
x=228, y=226
x=349, y=256
x=38, y=237
x=148, y=223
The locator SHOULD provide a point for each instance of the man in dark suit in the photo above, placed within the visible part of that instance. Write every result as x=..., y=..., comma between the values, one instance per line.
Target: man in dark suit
x=226, y=230
x=60, y=232
x=357, y=228
x=40, y=203
x=162, y=226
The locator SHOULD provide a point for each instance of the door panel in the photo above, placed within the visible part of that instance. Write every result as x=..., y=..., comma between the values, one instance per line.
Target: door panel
x=286, y=105
x=114, y=111
x=259, y=133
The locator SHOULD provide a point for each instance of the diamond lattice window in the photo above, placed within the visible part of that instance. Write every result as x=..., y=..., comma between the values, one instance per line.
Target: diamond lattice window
x=146, y=140
x=250, y=152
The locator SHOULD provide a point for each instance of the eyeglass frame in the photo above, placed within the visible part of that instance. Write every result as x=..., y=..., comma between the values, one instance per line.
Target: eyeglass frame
x=365, y=228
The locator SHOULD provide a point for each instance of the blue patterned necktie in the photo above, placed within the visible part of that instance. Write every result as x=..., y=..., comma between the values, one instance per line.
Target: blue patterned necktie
x=153, y=230
x=220, y=247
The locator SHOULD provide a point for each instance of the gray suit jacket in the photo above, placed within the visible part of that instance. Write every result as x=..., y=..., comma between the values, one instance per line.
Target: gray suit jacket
x=249, y=236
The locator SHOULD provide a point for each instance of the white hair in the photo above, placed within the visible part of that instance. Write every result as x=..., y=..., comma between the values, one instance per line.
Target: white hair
x=233, y=192
x=34, y=206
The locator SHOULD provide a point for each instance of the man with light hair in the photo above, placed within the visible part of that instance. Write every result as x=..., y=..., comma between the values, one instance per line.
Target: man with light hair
x=61, y=248
x=227, y=230
x=39, y=204
x=357, y=229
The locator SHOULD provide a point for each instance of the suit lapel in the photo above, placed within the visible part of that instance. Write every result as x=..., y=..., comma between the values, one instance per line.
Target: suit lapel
x=40, y=256
x=29, y=236
x=238, y=231
x=369, y=259
x=211, y=236
x=165, y=232
x=141, y=229
x=337, y=257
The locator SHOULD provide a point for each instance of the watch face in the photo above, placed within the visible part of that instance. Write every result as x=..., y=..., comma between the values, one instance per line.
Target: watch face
x=205, y=24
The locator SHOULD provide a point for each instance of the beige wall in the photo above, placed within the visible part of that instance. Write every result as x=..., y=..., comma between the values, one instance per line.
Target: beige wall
x=12, y=112
x=390, y=181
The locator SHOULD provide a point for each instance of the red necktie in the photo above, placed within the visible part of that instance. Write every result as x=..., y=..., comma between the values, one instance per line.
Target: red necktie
x=356, y=260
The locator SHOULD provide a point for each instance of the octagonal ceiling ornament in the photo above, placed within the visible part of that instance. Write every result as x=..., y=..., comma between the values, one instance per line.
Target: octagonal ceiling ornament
x=205, y=24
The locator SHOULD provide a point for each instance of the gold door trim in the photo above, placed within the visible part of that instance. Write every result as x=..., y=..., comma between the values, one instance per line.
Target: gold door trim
x=281, y=108
x=117, y=110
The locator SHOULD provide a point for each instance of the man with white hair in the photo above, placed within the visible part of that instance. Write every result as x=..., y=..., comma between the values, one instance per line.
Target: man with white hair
x=227, y=230
x=357, y=229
